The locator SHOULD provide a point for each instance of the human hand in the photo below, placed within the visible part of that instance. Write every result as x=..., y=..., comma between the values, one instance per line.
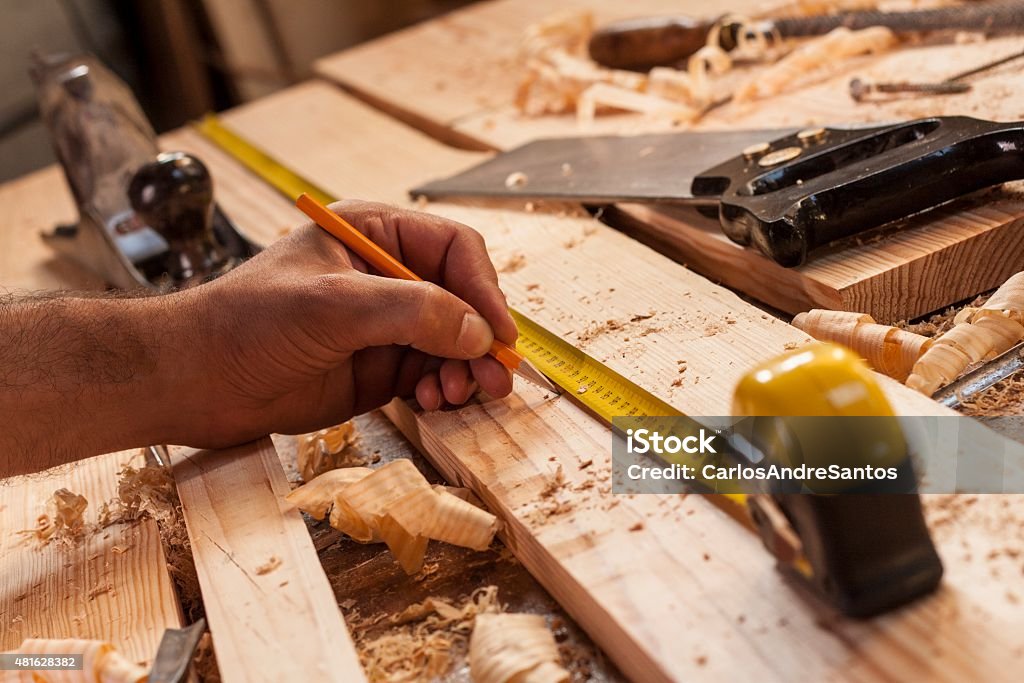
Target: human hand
x=302, y=336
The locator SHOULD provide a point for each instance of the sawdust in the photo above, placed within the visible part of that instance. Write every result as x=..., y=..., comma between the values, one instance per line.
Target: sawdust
x=141, y=492
x=270, y=565
x=598, y=329
x=204, y=662
x=1004, y=398
x=513, y=264
x=422, y=642
x=149, y=491
x=942, y=322
x=555, y=484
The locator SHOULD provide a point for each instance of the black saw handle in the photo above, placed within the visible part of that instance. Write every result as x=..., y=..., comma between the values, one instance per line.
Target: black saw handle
x=805, y=190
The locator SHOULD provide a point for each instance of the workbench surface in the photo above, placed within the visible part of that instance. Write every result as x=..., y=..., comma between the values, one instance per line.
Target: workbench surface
x=981, y=539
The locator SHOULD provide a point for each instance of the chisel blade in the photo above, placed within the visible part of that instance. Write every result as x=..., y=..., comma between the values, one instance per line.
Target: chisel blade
x=655, y=168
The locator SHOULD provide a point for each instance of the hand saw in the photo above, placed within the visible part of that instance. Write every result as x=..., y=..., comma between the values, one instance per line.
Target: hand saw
x=784, y=192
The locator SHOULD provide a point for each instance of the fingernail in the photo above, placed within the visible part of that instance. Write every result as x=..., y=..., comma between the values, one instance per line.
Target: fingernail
x=476, y=336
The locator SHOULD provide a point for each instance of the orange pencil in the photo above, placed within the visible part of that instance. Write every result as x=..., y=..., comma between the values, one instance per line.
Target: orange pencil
x=386, y=264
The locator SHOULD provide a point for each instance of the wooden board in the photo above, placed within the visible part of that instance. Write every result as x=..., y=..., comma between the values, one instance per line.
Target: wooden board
x=687, y=594
x=28, y=206
x=270, y=608
x=113, y=585
x=443, y=73
x=465, y=96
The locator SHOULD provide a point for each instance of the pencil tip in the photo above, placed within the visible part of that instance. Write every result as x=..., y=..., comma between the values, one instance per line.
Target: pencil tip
x=535, y=376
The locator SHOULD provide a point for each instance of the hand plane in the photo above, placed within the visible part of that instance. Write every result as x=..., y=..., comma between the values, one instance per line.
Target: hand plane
x=146, y=218
x=784, y=192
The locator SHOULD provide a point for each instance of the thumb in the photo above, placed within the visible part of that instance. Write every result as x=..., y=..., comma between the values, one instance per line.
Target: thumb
x=418, y=314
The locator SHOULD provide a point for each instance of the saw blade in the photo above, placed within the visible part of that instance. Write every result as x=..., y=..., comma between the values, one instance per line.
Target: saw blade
x=656, y=168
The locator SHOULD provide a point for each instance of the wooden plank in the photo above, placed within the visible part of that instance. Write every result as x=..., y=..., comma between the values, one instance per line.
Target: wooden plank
x=688, y=594
x=112, y=585
x=440, y=72
x=28, y=206
x=465, y=96
x=270, y=608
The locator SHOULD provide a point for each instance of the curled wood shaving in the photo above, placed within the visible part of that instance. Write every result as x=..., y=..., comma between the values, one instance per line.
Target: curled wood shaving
x=423, y=641
x=978, y=335
x=326, y=450
x=560, y=78
x=101, y=663
x=813, y=56
x=514, y=648
x=63, y=521
x=395, y=504
x=317, y=497
x=603, y=95
x=889, y=350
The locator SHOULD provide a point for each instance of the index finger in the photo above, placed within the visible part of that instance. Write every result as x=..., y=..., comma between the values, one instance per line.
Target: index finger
x=440, y=250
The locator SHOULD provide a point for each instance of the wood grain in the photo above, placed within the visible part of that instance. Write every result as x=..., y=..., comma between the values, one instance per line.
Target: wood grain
x=268, y=602
x=687, y=594
x=113, y=585
x=933, y=262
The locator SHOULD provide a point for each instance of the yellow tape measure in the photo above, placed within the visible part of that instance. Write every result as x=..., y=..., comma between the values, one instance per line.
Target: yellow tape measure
x=600, y=389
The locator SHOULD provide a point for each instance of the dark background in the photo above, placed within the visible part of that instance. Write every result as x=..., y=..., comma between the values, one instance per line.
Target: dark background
x=181, y=57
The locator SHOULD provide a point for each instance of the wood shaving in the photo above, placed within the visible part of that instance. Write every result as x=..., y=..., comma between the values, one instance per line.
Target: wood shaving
x=978, y=334
x=516, y=179
x=327, y=449
x=149, y=491
x=514, y=647
x=395, y=505
x=958, y=342
x=63, y=521
x=889, y=350
x=424, y=640
x=101, y=662
x=605, y=96
x=559, y=77
x=814, y=57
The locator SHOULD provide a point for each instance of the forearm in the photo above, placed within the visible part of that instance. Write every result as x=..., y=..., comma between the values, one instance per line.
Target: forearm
x=82, y=376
